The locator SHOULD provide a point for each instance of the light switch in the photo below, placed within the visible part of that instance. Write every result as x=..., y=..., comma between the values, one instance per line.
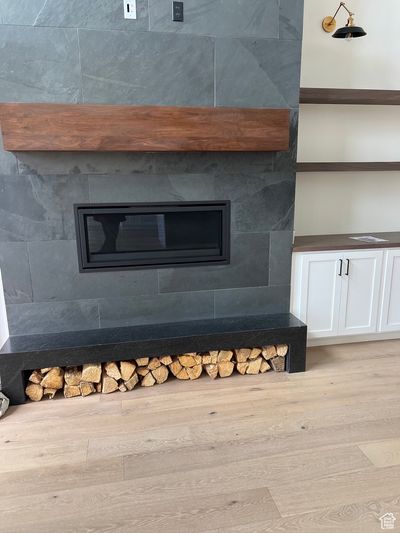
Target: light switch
x=130, y=9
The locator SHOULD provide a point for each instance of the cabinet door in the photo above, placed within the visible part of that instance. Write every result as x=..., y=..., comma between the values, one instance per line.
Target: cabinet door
x=319, y=294
x=390, y=310
x=359, y=300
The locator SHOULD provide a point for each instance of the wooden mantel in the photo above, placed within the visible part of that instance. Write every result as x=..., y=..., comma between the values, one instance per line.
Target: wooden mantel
x=110, y=128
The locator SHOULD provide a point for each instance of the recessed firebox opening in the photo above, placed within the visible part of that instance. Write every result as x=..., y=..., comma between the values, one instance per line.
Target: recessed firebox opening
x=152, y=235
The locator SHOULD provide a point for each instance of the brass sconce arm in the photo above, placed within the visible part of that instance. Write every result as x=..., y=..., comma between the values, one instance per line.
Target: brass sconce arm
x=329, y=23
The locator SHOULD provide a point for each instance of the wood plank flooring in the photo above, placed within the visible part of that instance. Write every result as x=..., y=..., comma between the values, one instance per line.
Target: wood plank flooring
x=300, y=453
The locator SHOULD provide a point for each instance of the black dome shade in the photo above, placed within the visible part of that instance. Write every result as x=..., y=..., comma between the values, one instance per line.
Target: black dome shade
x=346, y=31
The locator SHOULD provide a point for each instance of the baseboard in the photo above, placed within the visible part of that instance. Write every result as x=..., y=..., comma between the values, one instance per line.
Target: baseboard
x=347, y=339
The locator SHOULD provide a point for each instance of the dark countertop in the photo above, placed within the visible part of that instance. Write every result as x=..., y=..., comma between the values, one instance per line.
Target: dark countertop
x=320, y=243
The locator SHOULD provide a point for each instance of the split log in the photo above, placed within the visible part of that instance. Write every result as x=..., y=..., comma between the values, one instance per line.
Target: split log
x=87, y=388
x=35, y=377
x=132, y=382
x=34, y=391
x=255, y=352
x=242, y=355
x=127, y=368
x=109, y=384
x=54, y=379
x=282, y=350
x=73, y=375
x=142, y=371
x=268, y=352
x=112, y=370
x=45, y=370
x=122, y=387
x=278, y=364
x=224, y=356
x=70, y=391
x=225, y=369
x=148, y=380
x=214, y=357
x=154, y=363
x=142, y=361
x=264, y=366
x=254, y=366
x=206, y=359
x=183, y=374
x=212, y=370
x=160, y=374
x=50, y=393
x=195, y=371
x=189, y=360
x=175, y=367
x=242, y=367
x=91, y=372
x=166, y=360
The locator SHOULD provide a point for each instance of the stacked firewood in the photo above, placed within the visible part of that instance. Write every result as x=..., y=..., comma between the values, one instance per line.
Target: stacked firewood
x=148, y=371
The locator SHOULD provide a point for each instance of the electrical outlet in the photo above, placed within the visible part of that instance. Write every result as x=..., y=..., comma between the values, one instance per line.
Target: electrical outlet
x=177, y=11
x=130, y=9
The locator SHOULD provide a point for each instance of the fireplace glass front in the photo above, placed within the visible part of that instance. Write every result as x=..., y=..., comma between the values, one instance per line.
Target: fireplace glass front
x=127, y=236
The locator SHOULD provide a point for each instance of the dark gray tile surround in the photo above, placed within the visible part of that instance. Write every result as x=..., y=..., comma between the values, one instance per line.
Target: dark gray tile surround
x=226, y=53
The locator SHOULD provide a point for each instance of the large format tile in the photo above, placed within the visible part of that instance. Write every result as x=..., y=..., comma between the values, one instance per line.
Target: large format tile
x=14, y=266
x=8, y=162
x=52, y=317
x=147, y=68
x=39, y=65
x=173, y=163
x=151, y=188
x=252, y=301
x=260, y=202
x=56, y=276
x=21, y=12
x=248, y=268
x=39, y=207
x=280, y=251
x=291, y=19
x=156, y=309
x=103, y=14
x=221, y=18
x=257, y=73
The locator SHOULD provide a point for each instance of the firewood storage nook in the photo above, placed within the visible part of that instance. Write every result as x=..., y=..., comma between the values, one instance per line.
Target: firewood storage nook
x=40, y=365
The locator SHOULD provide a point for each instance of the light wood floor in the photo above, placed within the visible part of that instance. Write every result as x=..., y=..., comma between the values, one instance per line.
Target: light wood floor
x=300, y=453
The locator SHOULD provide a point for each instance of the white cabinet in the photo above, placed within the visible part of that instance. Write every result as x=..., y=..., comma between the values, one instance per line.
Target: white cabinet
x=390, y=310
x=337, y=293
x=319, y=297
x=359, y=301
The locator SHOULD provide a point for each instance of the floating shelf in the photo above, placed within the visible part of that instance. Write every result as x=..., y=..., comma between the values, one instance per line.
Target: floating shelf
x=109, y=128
x=348, y=167
x=310, y=95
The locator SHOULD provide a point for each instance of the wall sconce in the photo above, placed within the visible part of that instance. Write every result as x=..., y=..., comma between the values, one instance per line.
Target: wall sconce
x=347, y=32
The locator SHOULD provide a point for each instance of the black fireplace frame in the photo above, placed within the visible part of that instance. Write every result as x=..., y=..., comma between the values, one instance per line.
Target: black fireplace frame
x=82, y=210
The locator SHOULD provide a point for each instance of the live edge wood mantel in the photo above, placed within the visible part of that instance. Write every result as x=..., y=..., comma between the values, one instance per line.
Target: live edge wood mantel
x=111, y=128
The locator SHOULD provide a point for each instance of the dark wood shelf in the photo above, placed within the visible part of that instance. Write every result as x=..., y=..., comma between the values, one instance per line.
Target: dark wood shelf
x=111, y=128
x=349, y=167
x=310, y=95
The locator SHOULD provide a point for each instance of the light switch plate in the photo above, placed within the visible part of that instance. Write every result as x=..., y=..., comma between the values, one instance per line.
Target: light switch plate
x=130, y=9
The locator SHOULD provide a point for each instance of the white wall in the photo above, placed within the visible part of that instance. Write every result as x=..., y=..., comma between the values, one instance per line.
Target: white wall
x=3, y=316
x=349, y=133
x=350, y=202
x=345, y=202
x=370, y=62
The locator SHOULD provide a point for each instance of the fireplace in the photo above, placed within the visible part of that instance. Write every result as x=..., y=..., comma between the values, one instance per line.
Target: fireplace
x=152, y=235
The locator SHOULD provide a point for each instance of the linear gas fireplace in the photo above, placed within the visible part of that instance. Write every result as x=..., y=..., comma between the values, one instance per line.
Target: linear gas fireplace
x=152, y=235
